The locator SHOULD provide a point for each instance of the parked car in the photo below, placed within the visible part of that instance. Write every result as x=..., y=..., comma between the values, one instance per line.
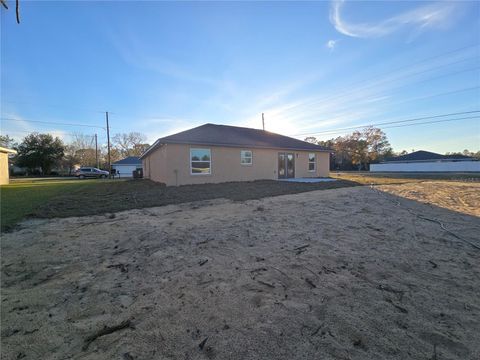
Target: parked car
x=85, y=172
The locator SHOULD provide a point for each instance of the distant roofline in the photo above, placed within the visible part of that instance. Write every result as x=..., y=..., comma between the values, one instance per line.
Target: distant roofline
x=116, y=163
x=427, y=160
x=426, y=156
x=119, y=162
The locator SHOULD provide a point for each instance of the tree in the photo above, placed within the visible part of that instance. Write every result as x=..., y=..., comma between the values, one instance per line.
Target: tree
x=131, y=144
x=40, y=151
x=82, y=149
x=70, y=158
x=378, y=147
x=465, y=152
x=7, y=142
x=357, y=149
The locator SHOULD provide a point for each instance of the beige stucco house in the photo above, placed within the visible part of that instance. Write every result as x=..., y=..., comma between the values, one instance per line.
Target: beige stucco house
x=4, y=176
x=218, y=153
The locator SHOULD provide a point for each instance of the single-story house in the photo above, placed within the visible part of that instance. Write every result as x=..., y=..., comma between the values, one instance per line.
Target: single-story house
x=127, y=166
x=425, y=161
x=219, y=153
x=4, y=170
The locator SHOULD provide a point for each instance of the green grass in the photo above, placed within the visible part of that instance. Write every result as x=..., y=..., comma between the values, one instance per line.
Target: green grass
x=21, y=198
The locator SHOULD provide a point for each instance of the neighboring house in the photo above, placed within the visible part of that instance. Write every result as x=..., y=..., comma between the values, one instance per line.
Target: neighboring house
x=127, y=166
x=425, y=161
x=4, y=171
x=218, y=153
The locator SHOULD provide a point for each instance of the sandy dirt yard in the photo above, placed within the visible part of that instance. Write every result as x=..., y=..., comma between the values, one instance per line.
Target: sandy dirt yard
x=350, y=273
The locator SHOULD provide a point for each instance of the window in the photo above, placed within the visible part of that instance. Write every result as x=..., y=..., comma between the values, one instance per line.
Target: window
x=311, y=162
x=200, y=162
x=246, y=157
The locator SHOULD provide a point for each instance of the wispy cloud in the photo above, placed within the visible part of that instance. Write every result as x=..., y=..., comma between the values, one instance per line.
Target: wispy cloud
x=331, y=44
x=436, y=15
x=136, y=53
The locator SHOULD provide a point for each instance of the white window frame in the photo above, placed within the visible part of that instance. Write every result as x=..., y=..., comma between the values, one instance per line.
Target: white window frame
x=190, y=159
x=246, y=157
x=314, y=162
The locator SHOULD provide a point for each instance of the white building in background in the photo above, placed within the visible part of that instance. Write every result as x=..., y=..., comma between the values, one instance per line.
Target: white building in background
x=127, y=166
x=425, y=161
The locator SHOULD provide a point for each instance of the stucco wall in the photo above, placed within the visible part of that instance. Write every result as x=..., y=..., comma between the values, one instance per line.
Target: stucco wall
x=155, y=165
x=438, y=166
x=170, y=164
x=3, y=168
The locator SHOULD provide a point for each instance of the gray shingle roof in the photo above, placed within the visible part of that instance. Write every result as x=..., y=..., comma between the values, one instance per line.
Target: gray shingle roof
x=234, y=136
x=422, y=155
x=131, y=160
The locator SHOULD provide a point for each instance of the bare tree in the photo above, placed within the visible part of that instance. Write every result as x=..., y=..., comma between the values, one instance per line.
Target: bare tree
x=82, y=150
x=130, y=144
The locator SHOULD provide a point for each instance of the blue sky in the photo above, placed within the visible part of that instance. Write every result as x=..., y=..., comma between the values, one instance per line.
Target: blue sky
x=161, y=67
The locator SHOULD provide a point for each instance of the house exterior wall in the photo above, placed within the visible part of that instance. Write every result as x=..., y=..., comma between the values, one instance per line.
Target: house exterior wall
x=170, y=164
x=428, y=166
x=4, y=178
x=155, y=165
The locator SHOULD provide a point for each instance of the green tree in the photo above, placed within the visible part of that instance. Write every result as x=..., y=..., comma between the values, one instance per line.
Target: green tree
x=357, y=149
x=7, y=142
x=311, y=139
x=40, y=151
x=378, y=146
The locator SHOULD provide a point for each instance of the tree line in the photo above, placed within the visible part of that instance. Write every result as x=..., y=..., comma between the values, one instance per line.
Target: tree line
x=44, y=154
x=356, y=151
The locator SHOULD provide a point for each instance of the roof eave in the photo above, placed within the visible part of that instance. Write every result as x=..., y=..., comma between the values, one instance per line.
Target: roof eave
x=320, y=149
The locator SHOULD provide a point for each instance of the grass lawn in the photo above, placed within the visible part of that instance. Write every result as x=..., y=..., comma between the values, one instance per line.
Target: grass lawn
x=22, y=198
x=63, y=198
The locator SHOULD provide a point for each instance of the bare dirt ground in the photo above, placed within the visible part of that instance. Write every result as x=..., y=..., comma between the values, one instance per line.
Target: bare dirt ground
x=456, y=196
x=350, y=273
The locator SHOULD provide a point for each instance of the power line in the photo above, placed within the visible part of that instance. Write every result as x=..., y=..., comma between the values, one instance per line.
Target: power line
x=47, y=131
x=313, y=103
x=42, y=104
x=342, y=94
x=423, y=98
x=433, y=122
x=360, y=101
x=415, y=124
x=394, y=122
x=51, y=122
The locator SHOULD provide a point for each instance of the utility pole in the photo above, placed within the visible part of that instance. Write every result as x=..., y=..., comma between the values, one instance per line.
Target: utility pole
x=263, y=122
x=96, y=150
x=108, y=147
